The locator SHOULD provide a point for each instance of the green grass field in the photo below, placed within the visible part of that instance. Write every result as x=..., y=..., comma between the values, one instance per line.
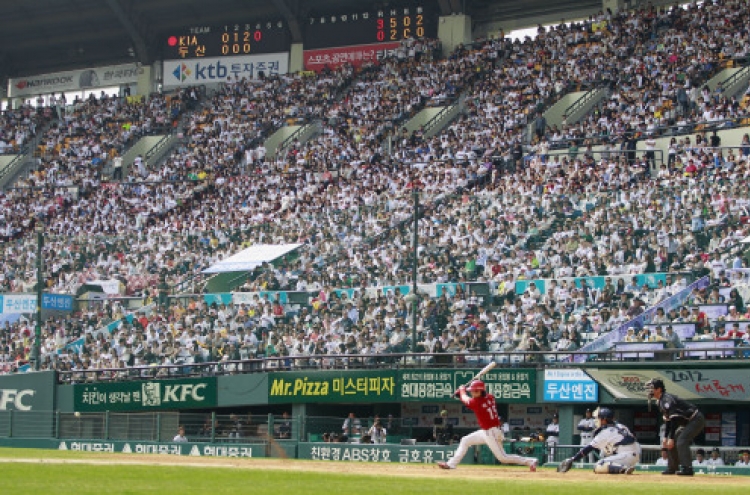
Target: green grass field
x=52, y=472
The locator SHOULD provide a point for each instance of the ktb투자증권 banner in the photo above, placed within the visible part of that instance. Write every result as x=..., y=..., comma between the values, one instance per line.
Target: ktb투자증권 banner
x=181, y=73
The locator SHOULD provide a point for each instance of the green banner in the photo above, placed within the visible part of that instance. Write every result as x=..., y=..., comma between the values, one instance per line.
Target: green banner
x=143, y=448
x=145, y=396
x=332, y=386
x=28, y=392
x=507, y=385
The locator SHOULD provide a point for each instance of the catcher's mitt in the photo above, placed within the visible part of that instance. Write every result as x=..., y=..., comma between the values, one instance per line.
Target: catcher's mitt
x=565, y=465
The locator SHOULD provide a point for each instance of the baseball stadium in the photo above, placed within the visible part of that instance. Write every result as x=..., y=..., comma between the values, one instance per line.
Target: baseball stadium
x=400, y=246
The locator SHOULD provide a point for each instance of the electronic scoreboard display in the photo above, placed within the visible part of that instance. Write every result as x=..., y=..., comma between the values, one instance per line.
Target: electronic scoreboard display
x=227, y=40
x=370, y=27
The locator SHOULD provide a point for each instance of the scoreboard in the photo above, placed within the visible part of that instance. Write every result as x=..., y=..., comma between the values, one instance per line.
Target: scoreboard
x=229, y=39
x=384, y=25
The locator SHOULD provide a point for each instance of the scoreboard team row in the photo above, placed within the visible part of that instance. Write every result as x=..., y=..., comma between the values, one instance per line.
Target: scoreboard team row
x=360, y=28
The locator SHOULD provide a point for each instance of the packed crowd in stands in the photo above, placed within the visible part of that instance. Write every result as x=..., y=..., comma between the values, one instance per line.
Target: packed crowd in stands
x=488, y=214
x=657, y=73
x=19, y=126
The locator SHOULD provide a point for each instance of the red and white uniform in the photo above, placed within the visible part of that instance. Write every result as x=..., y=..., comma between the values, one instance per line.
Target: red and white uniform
x=491, y=434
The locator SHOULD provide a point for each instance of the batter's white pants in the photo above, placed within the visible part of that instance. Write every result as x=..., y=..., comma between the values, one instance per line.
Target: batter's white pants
x=492, y=438
x=551, y=450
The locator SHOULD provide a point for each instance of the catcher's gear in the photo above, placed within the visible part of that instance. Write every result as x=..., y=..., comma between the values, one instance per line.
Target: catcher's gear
x=603, y=413
x=565, y=465
x=476, y=385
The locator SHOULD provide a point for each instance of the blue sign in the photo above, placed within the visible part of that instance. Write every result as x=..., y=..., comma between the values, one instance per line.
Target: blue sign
x=218, y=299
x=569, y=385
x=59, y=302
x=26, y=303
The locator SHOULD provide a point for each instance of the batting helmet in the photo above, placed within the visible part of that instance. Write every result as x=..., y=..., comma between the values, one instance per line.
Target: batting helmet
x=477, y=385
x=606, y=413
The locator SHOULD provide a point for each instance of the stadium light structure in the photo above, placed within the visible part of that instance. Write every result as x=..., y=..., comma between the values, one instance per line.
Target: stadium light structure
x=39, y=294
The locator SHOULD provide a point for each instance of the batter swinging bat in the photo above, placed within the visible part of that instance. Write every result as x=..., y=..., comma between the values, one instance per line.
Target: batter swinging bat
x=479, y=375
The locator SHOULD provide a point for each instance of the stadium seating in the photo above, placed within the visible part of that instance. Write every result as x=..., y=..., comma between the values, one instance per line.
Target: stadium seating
x=496, y=209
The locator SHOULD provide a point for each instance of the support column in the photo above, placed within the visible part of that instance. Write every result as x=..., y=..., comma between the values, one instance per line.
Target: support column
x=613, y=5
x=454, y=30
x=567, y=426
x=299, y=422
x=145, y=81
x=296, y=58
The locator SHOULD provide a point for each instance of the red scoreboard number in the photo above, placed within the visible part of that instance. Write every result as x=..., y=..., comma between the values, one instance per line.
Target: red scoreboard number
x=239, y=42
x=397, y=28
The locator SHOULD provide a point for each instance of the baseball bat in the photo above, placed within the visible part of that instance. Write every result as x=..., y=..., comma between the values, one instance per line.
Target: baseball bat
x=484, y=371
x=481, y=373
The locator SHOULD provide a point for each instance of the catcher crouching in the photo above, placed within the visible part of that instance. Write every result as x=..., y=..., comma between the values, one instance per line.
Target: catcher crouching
x=619, y=450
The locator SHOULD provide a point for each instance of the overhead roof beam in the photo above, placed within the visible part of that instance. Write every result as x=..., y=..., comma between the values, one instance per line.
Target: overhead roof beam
x=139, y=40
x=289, y=12
x=445, y=7
x=457, y=6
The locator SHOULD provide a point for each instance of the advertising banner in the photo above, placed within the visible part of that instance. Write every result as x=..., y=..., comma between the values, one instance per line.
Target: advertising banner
x=332, y=386
x=142, y=448
x=689, y=384
x=652, y=279
x=72, y=80
x=569, y=385
x=427, y=454
x=26, y=303
x=356, y=56
x=28, y=392
x=508, y=385
x=181, y=73
x=145, y=396
x=729, y=429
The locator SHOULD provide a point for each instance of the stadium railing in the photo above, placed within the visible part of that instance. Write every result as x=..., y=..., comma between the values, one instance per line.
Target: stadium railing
x=474, y=359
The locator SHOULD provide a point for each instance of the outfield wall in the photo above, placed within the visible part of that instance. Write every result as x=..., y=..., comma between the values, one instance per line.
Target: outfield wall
x=526, y=396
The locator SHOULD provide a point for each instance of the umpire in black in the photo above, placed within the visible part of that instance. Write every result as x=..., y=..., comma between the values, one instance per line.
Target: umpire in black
x=683, y=421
